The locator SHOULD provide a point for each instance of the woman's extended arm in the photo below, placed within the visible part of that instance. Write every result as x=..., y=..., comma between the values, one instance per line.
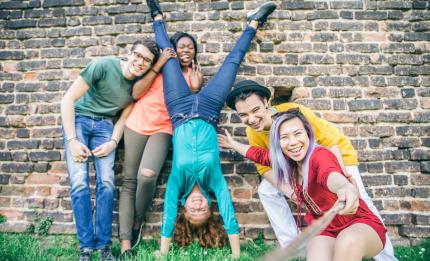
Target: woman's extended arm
x=337, y=183
x=142, y=86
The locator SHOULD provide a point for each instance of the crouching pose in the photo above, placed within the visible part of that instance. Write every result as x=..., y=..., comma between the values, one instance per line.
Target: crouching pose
x=196, y=169
x=314, y=176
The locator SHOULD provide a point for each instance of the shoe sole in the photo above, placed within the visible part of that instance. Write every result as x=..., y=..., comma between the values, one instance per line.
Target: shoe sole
x=258, y=9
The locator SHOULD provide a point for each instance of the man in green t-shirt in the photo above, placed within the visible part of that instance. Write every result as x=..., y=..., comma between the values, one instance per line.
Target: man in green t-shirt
x=102, y=91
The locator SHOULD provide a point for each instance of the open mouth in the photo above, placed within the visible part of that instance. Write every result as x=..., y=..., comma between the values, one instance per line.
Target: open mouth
x=296, y=151
x=136, y=68
x=185, y=58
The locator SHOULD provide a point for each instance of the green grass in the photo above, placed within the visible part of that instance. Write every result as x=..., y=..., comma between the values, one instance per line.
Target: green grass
x=32, y=247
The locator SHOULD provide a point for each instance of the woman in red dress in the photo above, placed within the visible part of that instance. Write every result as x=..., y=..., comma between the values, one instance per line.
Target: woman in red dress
x=316, y=180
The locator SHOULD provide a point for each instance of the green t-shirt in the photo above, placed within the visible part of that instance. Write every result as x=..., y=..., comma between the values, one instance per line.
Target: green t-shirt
x=109, y=91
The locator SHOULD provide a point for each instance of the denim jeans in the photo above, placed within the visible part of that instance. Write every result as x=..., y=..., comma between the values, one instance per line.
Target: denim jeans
x=96, y=233
x=182, y=104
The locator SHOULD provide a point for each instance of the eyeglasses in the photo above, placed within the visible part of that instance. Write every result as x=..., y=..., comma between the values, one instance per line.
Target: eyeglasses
x=140, y=57
x=294, y=111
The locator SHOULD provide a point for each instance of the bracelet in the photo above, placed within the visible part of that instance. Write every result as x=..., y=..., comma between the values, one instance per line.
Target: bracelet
x=72, y=138
x=114, y=140
x=154, y=71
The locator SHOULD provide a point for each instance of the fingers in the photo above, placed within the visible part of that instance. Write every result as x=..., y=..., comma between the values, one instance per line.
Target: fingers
x=351, y=201
x=227, y=134
x=80, y=152
x=103, y=150
x=169, y=53
x=100, y=151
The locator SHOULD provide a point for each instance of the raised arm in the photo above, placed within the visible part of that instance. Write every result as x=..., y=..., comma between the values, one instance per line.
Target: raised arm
x=142, y=86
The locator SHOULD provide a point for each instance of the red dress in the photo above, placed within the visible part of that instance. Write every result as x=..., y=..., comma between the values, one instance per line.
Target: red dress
x=319, y=199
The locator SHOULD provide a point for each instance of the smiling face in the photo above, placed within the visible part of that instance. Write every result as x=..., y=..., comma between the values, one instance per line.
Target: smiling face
x=294, y=139
x=253, y=112
x=197, y=209
x=139, y=61
x=186, y=51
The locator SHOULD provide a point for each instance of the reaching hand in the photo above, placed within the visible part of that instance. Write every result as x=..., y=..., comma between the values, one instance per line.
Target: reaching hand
x=104, y=149
x=350, y=195
x=165, y=55
x=80, y=152
x=196, y=77
x=226, y=141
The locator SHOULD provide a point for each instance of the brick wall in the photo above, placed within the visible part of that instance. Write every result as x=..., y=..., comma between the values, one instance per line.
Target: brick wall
x=363, y=65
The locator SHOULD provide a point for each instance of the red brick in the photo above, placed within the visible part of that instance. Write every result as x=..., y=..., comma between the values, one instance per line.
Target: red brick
x=340, y=117
x=252, y=218
x=30, y=76
x=425, y=103
x=5, y=202
x=421, y=205
x=420, y=179
x=242, y=194
x=12, y=214
x=374, y=37
x=40, y=178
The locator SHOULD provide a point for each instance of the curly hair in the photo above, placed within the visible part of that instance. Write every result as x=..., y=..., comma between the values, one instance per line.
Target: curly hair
x=210, y=234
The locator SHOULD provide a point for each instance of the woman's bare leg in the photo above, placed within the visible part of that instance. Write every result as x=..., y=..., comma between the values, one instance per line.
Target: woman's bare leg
x=321, y=248
x=356, y=242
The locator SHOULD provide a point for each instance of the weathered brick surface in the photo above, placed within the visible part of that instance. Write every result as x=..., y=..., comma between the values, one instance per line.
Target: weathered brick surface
x=363, y=65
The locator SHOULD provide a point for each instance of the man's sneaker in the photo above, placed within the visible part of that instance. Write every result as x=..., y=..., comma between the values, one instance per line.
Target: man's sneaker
x=85, y=254
x=261, y=13
x=106, y=254
x=154, y=8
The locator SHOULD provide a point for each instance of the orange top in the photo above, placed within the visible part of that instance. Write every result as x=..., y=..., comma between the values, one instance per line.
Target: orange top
x=149, y=114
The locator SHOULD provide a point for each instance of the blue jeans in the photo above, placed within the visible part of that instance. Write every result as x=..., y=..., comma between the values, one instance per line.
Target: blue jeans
x=182, y=104
x=95, y=233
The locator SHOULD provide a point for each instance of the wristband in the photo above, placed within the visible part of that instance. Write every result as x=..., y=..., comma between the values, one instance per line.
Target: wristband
x=72, y=138
x=114, y=140
x=154, y=71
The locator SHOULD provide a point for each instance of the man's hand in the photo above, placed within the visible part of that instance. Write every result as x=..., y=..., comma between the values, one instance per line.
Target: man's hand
x=226, y=141
x=104, y=149
x=80, y=152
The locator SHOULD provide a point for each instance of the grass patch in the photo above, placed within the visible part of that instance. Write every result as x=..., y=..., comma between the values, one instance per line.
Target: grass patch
x=33, y=247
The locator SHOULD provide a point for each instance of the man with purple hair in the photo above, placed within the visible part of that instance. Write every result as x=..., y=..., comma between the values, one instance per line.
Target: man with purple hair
x=252, y=103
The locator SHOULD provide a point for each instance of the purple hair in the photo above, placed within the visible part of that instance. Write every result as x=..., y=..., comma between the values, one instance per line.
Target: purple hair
x=284, y=168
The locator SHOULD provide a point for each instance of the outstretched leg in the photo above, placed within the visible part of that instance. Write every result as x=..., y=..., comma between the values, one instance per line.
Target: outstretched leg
x=176, y=90
x=213, y=96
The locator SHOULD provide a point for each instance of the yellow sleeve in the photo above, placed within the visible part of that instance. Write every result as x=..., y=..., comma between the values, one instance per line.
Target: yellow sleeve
x=258, y=139
x=326, y=133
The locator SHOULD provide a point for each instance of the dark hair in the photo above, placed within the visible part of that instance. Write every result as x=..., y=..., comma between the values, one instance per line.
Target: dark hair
x=209, y=234
x=244, y=95
x=178, y=36
x=151, y=45
x=284, y=168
